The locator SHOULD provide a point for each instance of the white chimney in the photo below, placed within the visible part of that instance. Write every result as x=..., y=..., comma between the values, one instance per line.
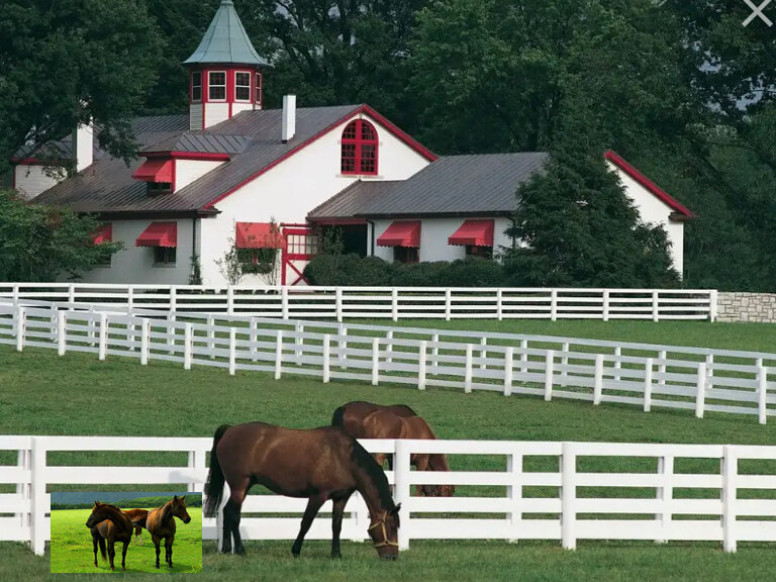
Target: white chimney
x=83, y=146
x=289, y=117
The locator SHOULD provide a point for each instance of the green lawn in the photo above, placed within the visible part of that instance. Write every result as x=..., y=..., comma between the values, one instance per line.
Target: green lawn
x=72, y=551
x=44, y=394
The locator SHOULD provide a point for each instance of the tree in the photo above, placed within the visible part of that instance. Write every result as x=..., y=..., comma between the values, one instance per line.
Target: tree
x=71, y=61
x=576, y=227
x=38, y=243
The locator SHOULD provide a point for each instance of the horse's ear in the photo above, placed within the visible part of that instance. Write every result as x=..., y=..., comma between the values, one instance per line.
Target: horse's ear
x=396, y=509
x=175, y=498
x=96, y=503
x=183, y=498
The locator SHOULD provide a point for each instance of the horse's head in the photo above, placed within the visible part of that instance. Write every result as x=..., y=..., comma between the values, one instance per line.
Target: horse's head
x=384, y=532
x=97, y=515
x=179, y=509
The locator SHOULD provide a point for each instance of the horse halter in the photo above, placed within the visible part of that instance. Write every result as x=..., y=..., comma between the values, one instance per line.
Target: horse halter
x=386, y=541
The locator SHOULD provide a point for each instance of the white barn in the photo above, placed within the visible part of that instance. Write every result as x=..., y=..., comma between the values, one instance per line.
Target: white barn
x=230, y=174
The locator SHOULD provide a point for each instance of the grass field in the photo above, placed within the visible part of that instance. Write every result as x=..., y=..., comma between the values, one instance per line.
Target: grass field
x=72, y=550
x=44, y=394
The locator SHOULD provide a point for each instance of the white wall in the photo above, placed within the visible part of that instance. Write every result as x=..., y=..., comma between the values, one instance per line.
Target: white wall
x=187, y=171
x=287, y=192
x=434, y=233
x=654, y=212
x=136, y=264
x=216, y=113
x=32, y=180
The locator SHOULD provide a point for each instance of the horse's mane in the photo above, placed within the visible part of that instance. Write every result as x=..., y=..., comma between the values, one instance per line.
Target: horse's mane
x=366, y=462
x=120, y=514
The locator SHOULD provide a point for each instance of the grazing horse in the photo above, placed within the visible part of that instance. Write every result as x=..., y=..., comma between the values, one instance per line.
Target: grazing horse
x=350, y=417
x=160, y=523
x=108, y=522
x=319, y=464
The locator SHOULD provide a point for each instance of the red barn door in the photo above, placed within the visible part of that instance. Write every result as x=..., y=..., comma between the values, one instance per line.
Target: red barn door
x=302, y=245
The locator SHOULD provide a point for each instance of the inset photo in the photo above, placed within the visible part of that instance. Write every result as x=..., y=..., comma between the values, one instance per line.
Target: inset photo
x=129, y=531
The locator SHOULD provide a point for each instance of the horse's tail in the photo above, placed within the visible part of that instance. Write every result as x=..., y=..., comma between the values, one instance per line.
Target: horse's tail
x=338, y=418
x=214, y=487
x=102, y=548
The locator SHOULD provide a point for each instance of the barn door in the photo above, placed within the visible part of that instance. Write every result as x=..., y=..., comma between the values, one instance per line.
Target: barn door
x=302, y=245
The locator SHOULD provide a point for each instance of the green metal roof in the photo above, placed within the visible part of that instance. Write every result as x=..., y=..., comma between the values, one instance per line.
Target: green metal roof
x=226, y=41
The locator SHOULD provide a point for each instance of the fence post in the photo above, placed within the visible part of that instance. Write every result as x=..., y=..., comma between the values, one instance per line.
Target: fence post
x=467, y=378
x=232, y=351
x=762, y=394
x=388, y=346
x=284, y=302
x=188, y=340
x=598, y=380
x=173, y=301
x=278, y=354
x=523, y=356
x=21, y=327
x=655, y=306
x=145, y=340
x=375, y=360
x=90, y=325
x=253, y=339
x=435, y=354
x=211, y=336
x=729, y=473
x=515, y=495
x=130, y=298
x=499, y=304
x=38, y=495
x=509, y=357
x=326, y=357
x=713, y=305
x=700, y=398
x=568, y=496
x=648, y=384
x=401, y=489
x=617, y=363
x=24, y=489
x=170, y=333
x=483, y=352
x=229, y=300
x=338, y=303
x=70, y=292
x=665, y=468
x=448, y=304
x=299, y=342
x=709, y=371
x=103, y=345
x=549, y=362
x=606, y=305
x=554, y=305
x=395, y=304
x=662, y=355
x=564, y=362
x=342, y=356
x=61, y=332
x=423, y=347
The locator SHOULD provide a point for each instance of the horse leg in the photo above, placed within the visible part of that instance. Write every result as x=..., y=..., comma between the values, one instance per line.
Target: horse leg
x=124, y=554
x=232, y=517
x=111, y=553
x=95, y=542
x=168, y=549
x=156, y=540
x=336, y=525
x=421, y=464
x=313, y=505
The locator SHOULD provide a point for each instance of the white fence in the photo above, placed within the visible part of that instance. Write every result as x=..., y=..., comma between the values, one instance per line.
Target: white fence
x=387, y=302
x=643, y=375
x=566, y=491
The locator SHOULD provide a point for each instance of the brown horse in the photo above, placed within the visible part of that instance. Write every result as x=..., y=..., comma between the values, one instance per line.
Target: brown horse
x=108, y=522
x=137, y=514
x=320, y=464
x=350, y=417
x=160, y=523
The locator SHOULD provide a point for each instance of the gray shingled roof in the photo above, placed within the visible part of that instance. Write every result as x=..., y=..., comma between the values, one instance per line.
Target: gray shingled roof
x=107, y=185
x=450, y=186
x=201, y=142
x=226, y=41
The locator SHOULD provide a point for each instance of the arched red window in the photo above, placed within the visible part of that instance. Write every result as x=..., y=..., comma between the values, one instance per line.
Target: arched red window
x=359, y=148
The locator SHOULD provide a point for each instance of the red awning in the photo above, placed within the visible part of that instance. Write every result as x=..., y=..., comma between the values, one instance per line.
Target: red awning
x=478, y=233
x=104, y=234
x=258, y=235
x=155, y=170
x=401, y=234
x=159, y=234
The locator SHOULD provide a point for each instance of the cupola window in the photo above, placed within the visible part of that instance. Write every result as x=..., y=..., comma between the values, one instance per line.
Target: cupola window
x=196, y=86
x=217, y=86
x=242, y=86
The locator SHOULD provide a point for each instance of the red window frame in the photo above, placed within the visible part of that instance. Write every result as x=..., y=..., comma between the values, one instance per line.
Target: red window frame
x=359, y=148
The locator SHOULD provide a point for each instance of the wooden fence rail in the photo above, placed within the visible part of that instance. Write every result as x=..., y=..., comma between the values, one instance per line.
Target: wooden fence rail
x=564, y=491
x=392, y=303
x=731, y=382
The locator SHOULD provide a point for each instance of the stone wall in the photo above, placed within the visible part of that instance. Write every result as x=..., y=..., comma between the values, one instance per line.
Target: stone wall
x=754, y=307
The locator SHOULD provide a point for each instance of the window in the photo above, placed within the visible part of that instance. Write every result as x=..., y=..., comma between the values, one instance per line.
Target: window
x=477, y=251
x=242, y=86
x=258, y=88
x=359, y=148
x=196, y=86
x=257, y=260
x=164, y=256
x=217, y=86
x=405, y=255
x=155, y=188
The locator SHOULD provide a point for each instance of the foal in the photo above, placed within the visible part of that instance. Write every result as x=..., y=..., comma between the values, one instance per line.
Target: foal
x=160, y=523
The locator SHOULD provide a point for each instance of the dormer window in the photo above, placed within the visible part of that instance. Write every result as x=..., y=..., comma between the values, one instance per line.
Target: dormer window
x=196, y=86
x=359, y=148
x=158, y=173
x=217, y=86
x=155, y=188
x=242, y=86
